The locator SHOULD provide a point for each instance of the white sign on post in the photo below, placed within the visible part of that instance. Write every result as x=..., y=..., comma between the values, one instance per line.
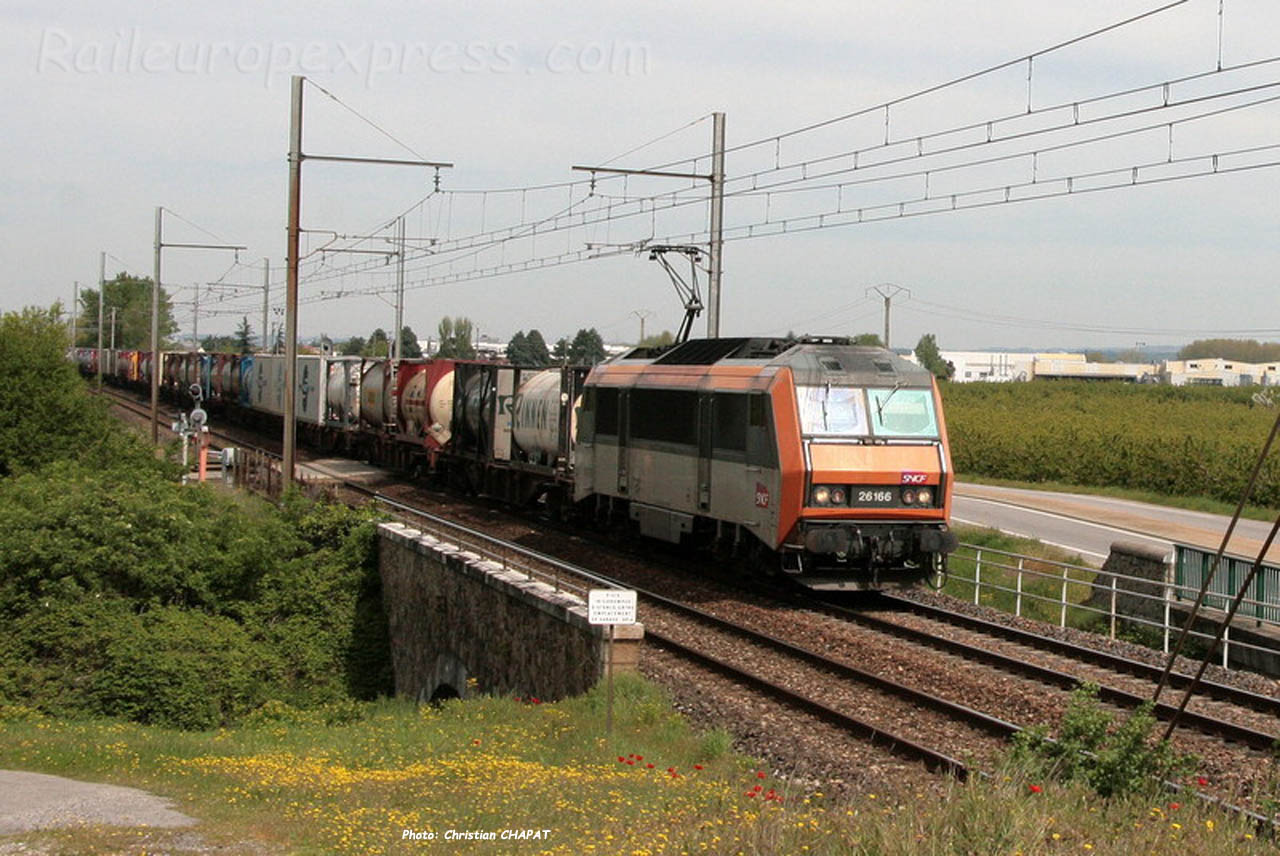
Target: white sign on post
x=611, y=606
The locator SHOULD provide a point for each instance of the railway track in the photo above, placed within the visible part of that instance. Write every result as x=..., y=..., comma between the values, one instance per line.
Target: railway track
x=1269, y=705
x=1225, y=725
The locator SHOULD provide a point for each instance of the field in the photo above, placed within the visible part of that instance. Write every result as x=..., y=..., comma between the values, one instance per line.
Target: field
x=398, y=779
x=1171, y=441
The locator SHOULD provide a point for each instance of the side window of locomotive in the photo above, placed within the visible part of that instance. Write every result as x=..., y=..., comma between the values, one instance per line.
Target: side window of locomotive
x=762, y=448
x=729, y=421
x=903, y=413
x=605, y=410
x=664, y=415
x=587, y=416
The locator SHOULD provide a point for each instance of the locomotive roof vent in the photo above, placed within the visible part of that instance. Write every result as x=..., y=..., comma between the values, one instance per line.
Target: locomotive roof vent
x=831, y=365
x=883, y=365
x=704, y=352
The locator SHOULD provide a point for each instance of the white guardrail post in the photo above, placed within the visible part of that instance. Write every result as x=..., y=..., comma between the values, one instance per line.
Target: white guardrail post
x=1114, y=581
x=1062, y=620
x=1017, y=602
x=977, y=577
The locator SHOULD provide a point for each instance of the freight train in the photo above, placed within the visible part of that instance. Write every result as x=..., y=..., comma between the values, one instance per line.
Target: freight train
x=812, y=457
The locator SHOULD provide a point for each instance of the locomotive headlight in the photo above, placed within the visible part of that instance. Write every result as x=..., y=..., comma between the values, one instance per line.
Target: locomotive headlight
x=838, y=496
x=821, y=495
x=924, y=496
x=908, y=497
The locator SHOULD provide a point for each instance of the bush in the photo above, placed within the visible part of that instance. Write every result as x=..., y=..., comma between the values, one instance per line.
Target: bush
x=100, y=657
x=1113, y=759
x=129, y=595
x=179, y=668
x=124, y=593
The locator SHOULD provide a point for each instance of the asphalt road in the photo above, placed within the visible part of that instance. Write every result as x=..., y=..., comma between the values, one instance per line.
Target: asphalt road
x=1089, y=524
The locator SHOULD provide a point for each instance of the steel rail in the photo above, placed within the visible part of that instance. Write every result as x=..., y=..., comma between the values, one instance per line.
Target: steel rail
x=1209, y=724
x=895, y=744
x=1222, y=692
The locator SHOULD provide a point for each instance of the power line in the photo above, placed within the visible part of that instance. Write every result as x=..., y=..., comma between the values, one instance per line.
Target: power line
x=363, y=118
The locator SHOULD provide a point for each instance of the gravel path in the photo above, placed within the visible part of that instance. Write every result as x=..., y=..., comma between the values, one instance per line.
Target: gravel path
x=31, y=801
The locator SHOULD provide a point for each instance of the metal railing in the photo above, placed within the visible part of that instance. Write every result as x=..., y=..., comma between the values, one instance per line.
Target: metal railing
x=1052, y=591
x=561, y=576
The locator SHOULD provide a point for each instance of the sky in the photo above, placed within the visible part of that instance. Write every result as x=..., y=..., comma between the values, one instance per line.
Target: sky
x=115, y=108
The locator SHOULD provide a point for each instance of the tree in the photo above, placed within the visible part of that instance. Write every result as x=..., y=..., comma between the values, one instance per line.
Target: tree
x=377, y=345
x=353, y=347
x=278, y=346
x=219, y=344
x=409, y=347
x=871, y=339
x=658, y=340
x=517, y=349
x=244, y=336
x=455, y=339
x=44, y=411
x=929, y=357
x=130, y=296
x=587, y=348
x=560, y=353
x=1243, y=350
x=530, y=350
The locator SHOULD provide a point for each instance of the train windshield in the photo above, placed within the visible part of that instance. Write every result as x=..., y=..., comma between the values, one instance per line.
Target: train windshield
x=835, y=411
x=838, y=410
x=899, y=412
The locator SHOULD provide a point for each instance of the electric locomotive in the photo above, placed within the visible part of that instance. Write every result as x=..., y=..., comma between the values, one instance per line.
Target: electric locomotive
x=818, y=458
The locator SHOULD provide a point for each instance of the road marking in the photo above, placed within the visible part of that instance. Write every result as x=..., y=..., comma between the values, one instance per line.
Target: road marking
x=1082, y=551
x=1162, y=541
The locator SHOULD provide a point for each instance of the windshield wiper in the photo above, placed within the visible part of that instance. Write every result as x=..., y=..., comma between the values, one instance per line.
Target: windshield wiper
x=880, y=403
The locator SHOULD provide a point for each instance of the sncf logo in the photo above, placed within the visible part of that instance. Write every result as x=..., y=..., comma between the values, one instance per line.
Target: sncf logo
x=762, y=496
x=914, y=478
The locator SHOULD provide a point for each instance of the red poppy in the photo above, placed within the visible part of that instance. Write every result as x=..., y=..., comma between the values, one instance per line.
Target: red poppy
x=697, y=766
x=675, y=775
x=475, y=742
x=650, y=766
x=758, y=788
x=671, y=769
x=751, y=793
x=1174, y=806
x=1035, y=789
x=1202, y=781
x=639, y=757
x=759, y=774
x=621, y=760
x=632, y=763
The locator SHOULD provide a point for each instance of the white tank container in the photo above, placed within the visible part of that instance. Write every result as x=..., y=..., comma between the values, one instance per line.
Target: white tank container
x=336, y=391
x=440, y=409
x=373, y=393
x=535, y=422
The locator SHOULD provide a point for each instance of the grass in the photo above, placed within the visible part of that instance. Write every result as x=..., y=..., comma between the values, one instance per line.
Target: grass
x=1041, y=583
x=1190, y=503
x=289, y=783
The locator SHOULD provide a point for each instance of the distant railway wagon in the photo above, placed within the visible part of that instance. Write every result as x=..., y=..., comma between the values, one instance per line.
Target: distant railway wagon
x=811, y=457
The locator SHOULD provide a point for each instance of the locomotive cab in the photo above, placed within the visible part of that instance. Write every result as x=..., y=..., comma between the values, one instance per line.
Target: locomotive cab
x=876, y=482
